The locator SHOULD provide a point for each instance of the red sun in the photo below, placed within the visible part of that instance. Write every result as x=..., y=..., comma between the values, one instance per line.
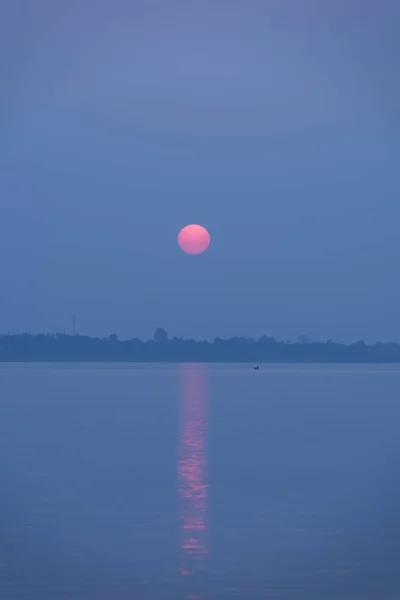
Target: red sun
x=194, y=239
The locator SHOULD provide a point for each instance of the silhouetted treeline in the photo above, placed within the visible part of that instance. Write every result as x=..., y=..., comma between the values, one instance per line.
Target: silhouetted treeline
x=62, y=347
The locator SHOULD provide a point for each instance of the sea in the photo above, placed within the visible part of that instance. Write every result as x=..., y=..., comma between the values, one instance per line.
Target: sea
x=199, y=482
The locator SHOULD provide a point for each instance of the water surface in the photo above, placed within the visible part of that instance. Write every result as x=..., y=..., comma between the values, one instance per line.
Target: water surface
x=199, y=481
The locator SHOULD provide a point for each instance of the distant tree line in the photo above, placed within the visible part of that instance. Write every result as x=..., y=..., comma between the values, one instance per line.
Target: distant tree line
x=79, y=348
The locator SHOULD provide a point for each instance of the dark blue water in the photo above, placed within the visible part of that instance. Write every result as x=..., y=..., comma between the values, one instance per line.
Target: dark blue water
x=201, y=482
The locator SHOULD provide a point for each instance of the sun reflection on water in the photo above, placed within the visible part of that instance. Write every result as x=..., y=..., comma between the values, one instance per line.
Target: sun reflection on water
x=192, y=476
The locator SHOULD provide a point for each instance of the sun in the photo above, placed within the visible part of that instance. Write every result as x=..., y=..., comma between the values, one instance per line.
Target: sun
x=194, y=239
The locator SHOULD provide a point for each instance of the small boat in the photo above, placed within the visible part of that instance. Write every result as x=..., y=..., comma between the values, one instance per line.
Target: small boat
x=256, y=368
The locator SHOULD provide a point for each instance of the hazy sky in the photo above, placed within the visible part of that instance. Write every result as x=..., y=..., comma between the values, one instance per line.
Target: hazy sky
x=274, y=123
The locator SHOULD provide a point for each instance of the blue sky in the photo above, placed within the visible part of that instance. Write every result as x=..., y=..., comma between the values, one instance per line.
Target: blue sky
x=273, y=124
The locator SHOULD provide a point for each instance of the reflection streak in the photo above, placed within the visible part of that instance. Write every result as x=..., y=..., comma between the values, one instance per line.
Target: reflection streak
x=192, y=475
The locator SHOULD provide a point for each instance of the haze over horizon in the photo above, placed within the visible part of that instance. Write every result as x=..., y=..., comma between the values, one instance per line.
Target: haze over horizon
x=276, y=127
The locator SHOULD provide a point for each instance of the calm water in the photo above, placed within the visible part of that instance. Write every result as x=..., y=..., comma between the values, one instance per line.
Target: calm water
x=201, y=482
